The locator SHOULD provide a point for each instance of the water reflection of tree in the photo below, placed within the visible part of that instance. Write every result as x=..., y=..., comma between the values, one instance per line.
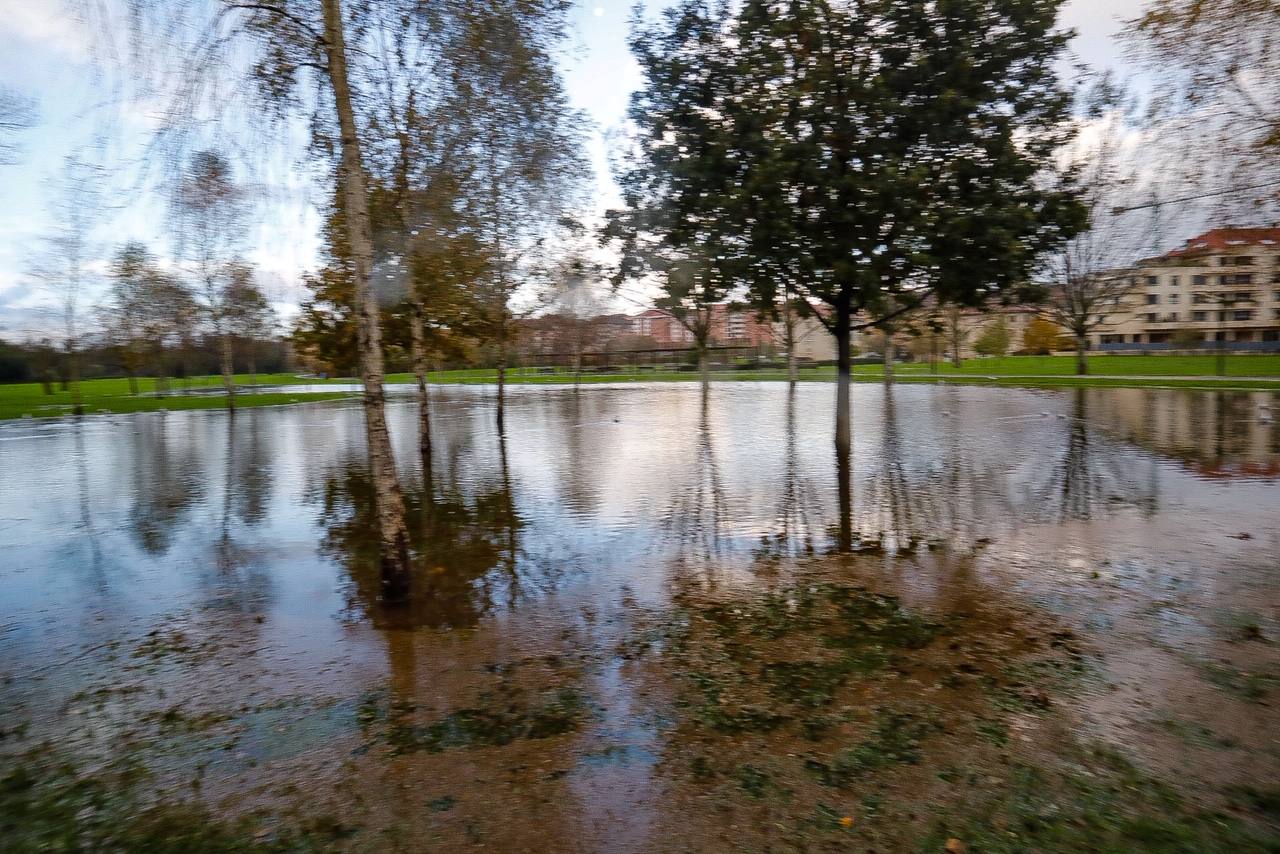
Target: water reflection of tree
x=467, y=552
x=254, y=455
x=900, y=505
x=579, y=478
x=698, y=508
x=240, y=583
x=165, y=483
x=89, y=531
x=793, y=529
x=1092, y=473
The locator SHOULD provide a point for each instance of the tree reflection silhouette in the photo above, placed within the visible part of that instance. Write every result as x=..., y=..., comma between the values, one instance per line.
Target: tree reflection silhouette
x=907, y=498
x=1093, y=473
x=460, y=538
x=165, y=483
x=793, y=531
x=698, y=510
x=242, y=582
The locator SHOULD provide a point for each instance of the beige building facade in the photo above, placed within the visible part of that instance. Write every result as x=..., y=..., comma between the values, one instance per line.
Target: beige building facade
x=1222, y=286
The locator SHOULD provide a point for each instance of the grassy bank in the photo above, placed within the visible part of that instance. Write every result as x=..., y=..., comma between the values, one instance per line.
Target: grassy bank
x=113, y=395
x=1250, y=372
x=863, y=376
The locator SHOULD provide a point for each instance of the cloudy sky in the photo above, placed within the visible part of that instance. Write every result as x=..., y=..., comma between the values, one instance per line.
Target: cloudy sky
x=45, y=55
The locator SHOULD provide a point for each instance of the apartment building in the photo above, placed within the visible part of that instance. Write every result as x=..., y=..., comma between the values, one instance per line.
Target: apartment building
x=1221, y=286
x=729, y=327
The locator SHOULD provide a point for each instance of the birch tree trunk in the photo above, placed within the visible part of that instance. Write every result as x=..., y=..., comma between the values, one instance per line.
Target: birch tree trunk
x=388, y=500
x=73, y=380
x=227, y=382
x=502, y=371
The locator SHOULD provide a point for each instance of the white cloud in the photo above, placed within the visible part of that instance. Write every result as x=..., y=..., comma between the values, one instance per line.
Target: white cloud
x=49, y=24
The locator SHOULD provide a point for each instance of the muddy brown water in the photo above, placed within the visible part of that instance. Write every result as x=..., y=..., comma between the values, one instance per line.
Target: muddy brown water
x=199, y=590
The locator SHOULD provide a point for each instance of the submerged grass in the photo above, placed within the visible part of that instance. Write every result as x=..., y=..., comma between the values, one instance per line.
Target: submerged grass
x=49, y=804
x=751, y=679
x=497, y=719
x=1097, y=802
x=895, y=740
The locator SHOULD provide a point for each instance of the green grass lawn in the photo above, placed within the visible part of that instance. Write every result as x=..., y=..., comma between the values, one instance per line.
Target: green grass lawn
x=112, y=395
x=19, y=399
x=1249, y=365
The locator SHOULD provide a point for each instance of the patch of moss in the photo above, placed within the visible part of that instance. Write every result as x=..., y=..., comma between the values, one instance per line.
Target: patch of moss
x=1254, y=687
x=1100, y=804
x=47, y=804
x=753, y=781
x=497, y=720
x=894, y=741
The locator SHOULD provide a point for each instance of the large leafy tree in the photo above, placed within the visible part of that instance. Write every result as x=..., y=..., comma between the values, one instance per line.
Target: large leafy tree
x=679, y=229
x=894, y=151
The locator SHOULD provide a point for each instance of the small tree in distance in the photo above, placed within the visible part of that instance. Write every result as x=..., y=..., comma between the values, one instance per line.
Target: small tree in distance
x=1041, y=336
x=994, y=340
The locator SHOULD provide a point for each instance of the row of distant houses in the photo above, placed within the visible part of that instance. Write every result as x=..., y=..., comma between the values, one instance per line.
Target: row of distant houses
x=1221, y=286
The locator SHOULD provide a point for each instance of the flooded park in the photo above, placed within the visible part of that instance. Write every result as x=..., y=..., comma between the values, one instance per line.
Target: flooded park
x=648, y=617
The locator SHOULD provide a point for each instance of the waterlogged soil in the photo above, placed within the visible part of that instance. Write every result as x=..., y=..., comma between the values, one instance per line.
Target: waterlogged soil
x=634, y=630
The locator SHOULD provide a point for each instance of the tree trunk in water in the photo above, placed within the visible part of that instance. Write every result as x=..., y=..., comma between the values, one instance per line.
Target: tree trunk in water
x=704, y=366
x=844, y=485
x=888, y=359
x=502, y=388
x=424, y=403
x=844, y=317
x=227, y=382
x=73, y=382
x=388, y=500
x=1082, y=355
x=253, y=371
x=793, y=371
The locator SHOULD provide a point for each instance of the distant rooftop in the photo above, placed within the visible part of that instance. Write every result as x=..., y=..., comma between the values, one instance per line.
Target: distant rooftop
x=1224, y=239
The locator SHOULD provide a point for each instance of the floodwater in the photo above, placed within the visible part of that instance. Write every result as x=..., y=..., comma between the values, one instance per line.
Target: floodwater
x=191, y=567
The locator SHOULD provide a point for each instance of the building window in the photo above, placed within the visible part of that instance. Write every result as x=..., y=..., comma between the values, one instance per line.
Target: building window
x=1153, y=280
x=1151, y=318
x=1112, y=339
x=1244, y=260
x=1199, y=299
x=1224, y=261
x=1200, y=280
x=1153, y=299
x=1173, y=315
x=1200, y=316
x=1244, y=296
x=1173, y=281
x=1276, y=296
x=1173, y=299
x=1243, y=314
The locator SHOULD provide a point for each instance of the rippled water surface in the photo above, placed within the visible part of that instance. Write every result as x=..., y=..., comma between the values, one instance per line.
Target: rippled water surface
x=241, y=547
